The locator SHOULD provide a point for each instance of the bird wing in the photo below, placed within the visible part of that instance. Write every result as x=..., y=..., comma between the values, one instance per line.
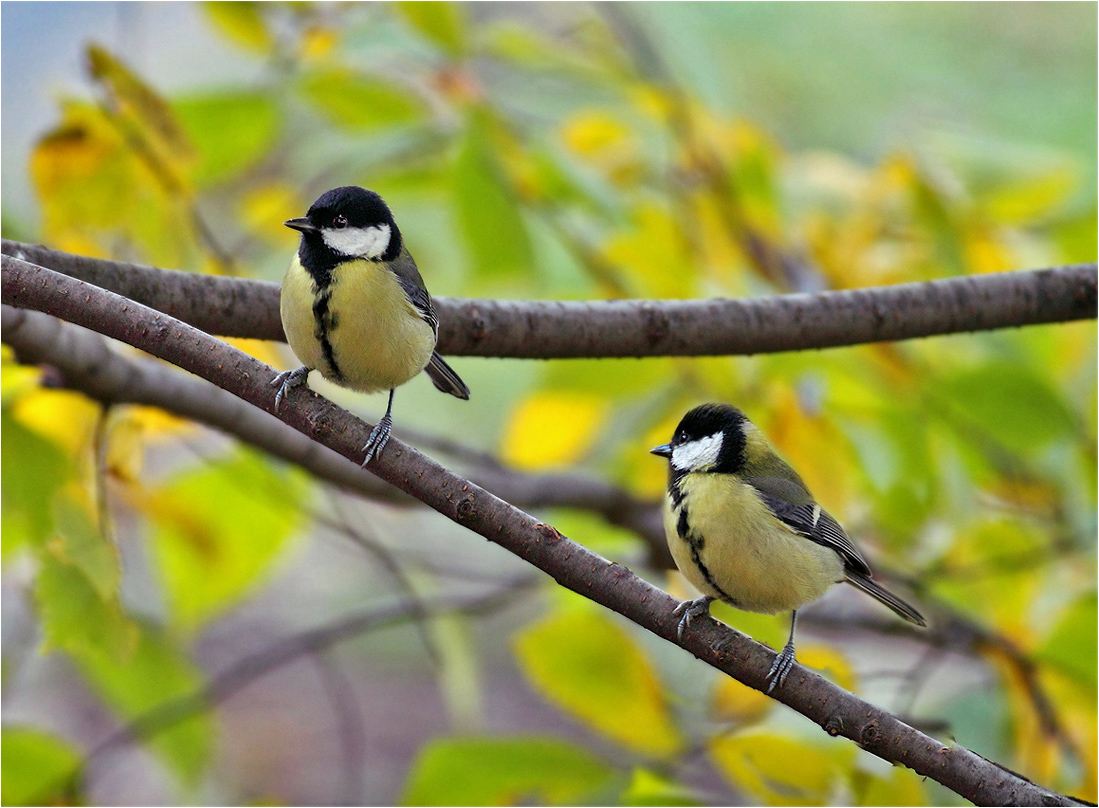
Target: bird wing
x=808, y=519
x=404, y=269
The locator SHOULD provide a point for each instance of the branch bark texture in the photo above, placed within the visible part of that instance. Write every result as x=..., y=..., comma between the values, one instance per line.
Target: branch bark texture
x=571, y=565
x=86, y=363
x=233, y=307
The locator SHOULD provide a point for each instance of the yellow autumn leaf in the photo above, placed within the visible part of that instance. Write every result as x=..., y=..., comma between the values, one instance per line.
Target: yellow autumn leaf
x=125, y=455
x=158, y=424
x=902, y=787
x=551, y=428
x=16, y=380
x=830, y=663
x=67, y=418
x=264, y=209
x=243, y=23
x=655, y=252
x=986, y=251
x=317, y=43
x=141, y=104
x=591, y=668
x=761, y=764
x=597, y=137
x=814, y=446
x=648, y=474
x=738, y=703
x=74, y=165
x=264, y=350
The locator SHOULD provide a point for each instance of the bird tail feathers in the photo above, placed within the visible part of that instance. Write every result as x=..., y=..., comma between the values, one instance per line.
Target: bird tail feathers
x=883, y=595
x=444, y=378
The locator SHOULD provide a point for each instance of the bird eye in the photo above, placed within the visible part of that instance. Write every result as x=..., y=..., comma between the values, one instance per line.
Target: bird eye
x=340, y=222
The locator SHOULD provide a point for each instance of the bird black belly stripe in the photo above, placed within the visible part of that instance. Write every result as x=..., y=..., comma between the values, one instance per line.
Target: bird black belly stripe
x=325, y=321
x=695, y=542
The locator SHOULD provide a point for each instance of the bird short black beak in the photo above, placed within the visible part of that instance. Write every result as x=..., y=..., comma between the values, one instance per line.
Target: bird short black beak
x=664, y=451
x=304, y=225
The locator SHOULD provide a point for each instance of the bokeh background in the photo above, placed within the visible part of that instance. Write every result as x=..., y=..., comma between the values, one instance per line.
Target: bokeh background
x=569, y=151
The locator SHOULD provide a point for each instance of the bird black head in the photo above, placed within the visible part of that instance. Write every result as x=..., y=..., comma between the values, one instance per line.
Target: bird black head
x=344, y=224
x=711, y=437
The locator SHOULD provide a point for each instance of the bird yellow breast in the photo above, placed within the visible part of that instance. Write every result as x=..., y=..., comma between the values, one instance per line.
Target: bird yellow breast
x=745, y=556
x=378, y=339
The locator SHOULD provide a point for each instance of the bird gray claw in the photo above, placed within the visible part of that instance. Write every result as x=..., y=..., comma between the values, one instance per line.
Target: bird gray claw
x=379, y=437
x=781, y=667
x=690, y=609
x=287, y=381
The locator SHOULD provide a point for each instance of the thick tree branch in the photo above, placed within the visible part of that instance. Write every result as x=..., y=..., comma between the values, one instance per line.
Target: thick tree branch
x=87, y=364
x=570, y=564
x=633, y=328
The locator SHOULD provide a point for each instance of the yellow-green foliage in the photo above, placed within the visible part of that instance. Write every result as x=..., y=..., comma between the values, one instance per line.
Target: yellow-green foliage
x=966, y=462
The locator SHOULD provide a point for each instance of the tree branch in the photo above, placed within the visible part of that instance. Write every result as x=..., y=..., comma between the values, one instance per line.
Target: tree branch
x=570, y=564
x=234, y=307
x=87, y=364
x=293, y=647
x=84, y=362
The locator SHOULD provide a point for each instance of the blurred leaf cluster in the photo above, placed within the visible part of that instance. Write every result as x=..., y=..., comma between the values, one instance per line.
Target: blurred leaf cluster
x=561, y=157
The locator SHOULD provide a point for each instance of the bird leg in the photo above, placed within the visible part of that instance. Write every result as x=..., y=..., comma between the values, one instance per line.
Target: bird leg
x=379, y=435
x=287, y=381
x=785, y=659
x=691, y=609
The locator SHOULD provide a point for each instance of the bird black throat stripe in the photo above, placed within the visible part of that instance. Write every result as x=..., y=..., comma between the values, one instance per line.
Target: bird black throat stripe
x=675, y=490
x=325, y=322
x=695, y=542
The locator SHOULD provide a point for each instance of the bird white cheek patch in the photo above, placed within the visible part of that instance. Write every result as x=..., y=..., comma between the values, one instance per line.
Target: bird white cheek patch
x=698, y=453
x=358, y=242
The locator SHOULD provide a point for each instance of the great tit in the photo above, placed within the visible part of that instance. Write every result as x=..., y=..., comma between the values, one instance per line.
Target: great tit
x=355, y=308
x=744, y=529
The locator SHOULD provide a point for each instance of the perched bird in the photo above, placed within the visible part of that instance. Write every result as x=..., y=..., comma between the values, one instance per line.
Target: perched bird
x=743, y=528
x=355, y=308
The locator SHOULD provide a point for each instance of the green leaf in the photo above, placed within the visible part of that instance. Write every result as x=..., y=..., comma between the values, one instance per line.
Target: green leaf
x=38, y=768
x=242, y=23
x=1072, y=646
x=80, y=543
x=354, y=101
x=442, y=23
x=1011, y=403
x=231, y=132
x=513, y=771
x=591, y=668
x=652, y=788
x=156, y=673
x=218, y=529
x=77, y=618
x=34, y=469
x=138, y=100
x=486, y=205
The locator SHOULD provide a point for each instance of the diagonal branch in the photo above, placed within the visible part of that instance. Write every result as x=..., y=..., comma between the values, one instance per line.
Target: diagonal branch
x=570, y=564
x=84, y=362
x=234, y=307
